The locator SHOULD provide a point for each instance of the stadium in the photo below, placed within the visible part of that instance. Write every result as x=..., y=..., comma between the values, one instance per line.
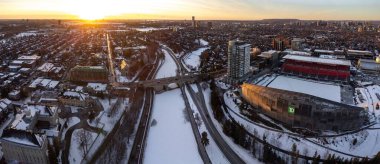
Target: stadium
x=300, y=110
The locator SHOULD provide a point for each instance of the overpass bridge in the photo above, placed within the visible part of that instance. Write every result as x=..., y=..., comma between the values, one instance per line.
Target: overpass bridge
x=163, y=83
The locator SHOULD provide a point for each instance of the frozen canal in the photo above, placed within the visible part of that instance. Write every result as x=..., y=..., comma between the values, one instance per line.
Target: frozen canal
x=171, y=140
x=168, y=68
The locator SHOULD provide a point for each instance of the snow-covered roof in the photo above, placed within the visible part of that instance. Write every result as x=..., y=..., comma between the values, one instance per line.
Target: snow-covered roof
x=46, y=67
x=53, y=84
x=35, y=83
x=47, y=83
x=19, y=62
x=22, y=137
x=22, y=120
x=32, y=57
x=318, y=60
x=75, y=95
x=97, y=86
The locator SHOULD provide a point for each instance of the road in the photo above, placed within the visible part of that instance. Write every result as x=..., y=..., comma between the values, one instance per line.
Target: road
x=202, y=108
x=201, y=105
x=110, y=61
x=138, y=148
x=201, y=148
x=137, y=153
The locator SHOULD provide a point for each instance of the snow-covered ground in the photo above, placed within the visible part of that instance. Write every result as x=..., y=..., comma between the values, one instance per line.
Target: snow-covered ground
x=168, y=68
x=104, y=120
x=368, y=98
x=147, y=29
x=193, y=60
x=76, y=153
x=121, y=78
x=367, y=141
x=70, y=122
x=213, y=151
x=243, y=153
x=28, y=33
x=319, y=89
x=203, y=42
x=171, y=140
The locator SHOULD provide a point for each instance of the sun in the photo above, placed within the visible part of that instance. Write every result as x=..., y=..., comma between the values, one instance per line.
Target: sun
x=100, y=9
x=90, y=15
x=89, y=9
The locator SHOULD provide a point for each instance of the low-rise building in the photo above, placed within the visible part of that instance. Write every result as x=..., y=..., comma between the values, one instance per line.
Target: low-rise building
x=24, y=147
x=369, y=66
x=96, y=74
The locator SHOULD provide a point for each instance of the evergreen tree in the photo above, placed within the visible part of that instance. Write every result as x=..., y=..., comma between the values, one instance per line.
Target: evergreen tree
x=295, y=153
x=205, y=141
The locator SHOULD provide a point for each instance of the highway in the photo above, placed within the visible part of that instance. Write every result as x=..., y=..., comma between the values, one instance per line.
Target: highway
x=202, y=108
x=201, y=148
x=201, y=105
x=137, y=153
x=138, y=148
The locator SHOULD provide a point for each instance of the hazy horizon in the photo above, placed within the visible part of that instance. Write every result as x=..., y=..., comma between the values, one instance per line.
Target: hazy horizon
x=184, y=9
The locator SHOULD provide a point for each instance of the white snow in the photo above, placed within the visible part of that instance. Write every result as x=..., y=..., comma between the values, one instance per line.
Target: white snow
x=168, y=68
x=99, y=87
x=171, y=140
x=147, y=29
x=192, y=60
x=368, y=98
x=203, y=42
x=120, y=78
x=28, y=33
x=319, y=89
x=243, y=153
x=213, y=151
x=76, y=154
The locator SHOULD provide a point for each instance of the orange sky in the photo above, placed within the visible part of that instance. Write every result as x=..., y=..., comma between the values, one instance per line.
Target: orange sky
x=184, y=9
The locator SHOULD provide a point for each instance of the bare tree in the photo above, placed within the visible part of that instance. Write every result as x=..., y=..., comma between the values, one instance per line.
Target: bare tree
x=83, y=139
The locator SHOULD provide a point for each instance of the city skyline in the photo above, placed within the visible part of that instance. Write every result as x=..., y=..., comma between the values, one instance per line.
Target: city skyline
x=183, y=9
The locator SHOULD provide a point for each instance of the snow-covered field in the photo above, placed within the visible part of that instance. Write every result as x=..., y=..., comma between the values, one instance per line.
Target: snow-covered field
x=168, y=68
x=192, y=60
x=171, y=140
x=319, y=89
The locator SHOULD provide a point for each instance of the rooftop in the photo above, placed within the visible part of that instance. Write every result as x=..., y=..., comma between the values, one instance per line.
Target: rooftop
x=318, y=60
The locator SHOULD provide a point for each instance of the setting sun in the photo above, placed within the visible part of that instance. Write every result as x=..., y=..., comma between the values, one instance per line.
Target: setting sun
x=92, y=9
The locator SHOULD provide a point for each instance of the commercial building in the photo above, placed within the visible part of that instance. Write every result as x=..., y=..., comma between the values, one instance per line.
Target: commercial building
x=193, y=22
x=299, y=110
x=238, y=59
x=280, y=43
x=89, y=74
x=297, y=44
x=369, y=66
x=317, y=67
x=357, y=54
x=270, y=57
